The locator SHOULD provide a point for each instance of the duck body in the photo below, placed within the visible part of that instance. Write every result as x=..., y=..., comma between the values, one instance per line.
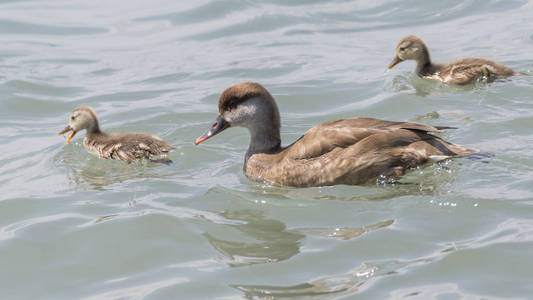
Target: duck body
x=346, y=151
x=466, y=70
x=353, y=152
x=460, y=71
x=125, y=147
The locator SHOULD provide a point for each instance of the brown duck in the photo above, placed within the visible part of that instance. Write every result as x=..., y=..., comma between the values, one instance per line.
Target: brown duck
x=120, y=146
x=348, y=151
x=460, y=71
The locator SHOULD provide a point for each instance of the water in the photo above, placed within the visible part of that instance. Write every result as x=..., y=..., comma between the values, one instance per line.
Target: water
x=76, y=226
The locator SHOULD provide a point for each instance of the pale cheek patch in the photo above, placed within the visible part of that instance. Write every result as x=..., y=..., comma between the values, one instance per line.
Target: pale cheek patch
x=240, y=115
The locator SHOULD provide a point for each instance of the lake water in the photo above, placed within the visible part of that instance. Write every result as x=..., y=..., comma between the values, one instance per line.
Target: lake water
x=76, y=226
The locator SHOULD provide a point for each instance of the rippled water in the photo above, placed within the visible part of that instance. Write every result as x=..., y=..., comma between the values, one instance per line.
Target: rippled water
x=76, y=226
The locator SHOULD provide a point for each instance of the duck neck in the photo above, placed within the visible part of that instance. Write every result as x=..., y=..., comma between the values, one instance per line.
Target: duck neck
x=264, y=127
x=265, y=139
x=424, y=64
x=94, y=128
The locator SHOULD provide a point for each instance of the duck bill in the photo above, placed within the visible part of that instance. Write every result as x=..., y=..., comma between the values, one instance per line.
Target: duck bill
x=217, y=127
x=395, y=61
x=67, y=129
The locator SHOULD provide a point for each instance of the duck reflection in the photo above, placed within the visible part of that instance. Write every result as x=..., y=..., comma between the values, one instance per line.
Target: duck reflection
x=346, y=233
x=273, y=242
x=327, y=287
x=97, y=173
x=424, y=182
x=414, y=85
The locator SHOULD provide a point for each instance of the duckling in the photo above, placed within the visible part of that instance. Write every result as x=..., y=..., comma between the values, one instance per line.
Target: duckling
x=126, y=147
x=460, y=71
x=346, y=151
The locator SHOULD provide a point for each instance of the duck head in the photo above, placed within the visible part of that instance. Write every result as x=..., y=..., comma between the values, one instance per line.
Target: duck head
x=410, y=48
x=249, y=105
x=83, y=117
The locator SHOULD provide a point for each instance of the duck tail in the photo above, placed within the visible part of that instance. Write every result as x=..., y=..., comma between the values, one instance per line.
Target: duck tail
x=462, y=152
x=454, y=150
x=472, y=154
x=465, y=152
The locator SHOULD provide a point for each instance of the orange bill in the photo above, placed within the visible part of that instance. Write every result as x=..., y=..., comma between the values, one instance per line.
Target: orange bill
x=217, y=127
x=395, y=61
x=67, y=129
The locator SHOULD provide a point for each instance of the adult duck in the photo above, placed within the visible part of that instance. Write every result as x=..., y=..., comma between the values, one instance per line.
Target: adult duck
x=460, y=71
x=126, y=147
x=347, y=151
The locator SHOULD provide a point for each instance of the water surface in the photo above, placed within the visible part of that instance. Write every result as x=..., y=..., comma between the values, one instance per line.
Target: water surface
x=76, y=226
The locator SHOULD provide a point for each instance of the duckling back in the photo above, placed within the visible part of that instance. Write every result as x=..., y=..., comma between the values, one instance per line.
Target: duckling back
x=126, y=146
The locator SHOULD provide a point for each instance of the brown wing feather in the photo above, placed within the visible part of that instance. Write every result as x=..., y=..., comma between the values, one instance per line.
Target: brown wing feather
x=353, y=151
x=465, y=70
x=127, y=146
x=342, y=133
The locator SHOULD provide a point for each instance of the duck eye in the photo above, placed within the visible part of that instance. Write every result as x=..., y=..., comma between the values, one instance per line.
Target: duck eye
x=232, y=104
x=72, y=118
x=402, y=48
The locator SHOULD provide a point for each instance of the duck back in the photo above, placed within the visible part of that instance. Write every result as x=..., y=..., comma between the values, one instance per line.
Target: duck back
x=352, y=151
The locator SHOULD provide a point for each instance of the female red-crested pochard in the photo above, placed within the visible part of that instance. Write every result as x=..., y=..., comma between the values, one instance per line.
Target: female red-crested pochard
x=126, y=147
x=347, y=151
x=460, y=71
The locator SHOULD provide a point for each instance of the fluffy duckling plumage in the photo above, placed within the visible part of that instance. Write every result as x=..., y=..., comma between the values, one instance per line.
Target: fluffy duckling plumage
x=126, y=147
x=460, y=71
x=348, y=151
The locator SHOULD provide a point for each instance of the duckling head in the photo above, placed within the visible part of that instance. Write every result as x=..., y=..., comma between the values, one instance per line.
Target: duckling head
x=410, y=48
x=249, y=105
x=82, y=117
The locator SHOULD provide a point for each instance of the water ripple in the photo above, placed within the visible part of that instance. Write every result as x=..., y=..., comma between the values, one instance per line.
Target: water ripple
x=139, y=291
x=75, y=225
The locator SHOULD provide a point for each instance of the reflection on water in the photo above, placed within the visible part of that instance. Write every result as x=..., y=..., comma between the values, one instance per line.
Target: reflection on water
x=138, y=291
x=274, y=241
x=355, y=281
x=432, y=291
x=346, y=233
x=416, y=86
x=160, y=66
x=97, y=173
x=326, y=287
x=334, y=286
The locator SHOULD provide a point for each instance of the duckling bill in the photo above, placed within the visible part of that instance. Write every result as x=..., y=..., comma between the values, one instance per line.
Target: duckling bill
x=460, y=71
x=347, y=151
x=126, y=147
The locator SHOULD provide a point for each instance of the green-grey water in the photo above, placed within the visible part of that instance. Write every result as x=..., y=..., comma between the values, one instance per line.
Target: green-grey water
x=73, y=226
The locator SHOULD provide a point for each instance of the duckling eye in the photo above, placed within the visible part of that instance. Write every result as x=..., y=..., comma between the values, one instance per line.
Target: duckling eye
x=402, y=49
x=72, y=118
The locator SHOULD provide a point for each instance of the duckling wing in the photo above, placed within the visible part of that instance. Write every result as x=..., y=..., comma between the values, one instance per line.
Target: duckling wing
x=133, y=146
x=465, y=70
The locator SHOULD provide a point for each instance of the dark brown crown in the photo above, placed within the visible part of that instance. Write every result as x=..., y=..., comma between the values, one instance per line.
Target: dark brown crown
x=239, y=93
